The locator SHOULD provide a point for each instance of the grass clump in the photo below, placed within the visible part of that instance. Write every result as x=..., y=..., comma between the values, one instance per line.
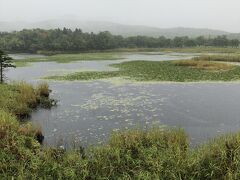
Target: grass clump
x=174, y=71
x=43, y=90
x=142, y=154
x=20, y=98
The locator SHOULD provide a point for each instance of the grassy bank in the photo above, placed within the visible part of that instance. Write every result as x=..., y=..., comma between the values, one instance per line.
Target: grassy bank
x=175, y=71
x=134, y=154
x=66, y=58
x=21, y=98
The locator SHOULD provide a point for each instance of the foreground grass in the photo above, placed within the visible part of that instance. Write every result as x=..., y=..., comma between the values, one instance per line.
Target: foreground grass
x=175, y=71
x=67, y=58
x=135, y=154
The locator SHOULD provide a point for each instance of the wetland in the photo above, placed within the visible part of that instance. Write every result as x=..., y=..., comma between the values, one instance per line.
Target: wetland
x=94, y=100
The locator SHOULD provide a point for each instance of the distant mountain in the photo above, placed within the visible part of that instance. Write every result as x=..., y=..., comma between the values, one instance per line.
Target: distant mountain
x=114, y=28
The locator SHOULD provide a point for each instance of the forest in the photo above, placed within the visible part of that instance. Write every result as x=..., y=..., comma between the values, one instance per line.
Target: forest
x=67, y=40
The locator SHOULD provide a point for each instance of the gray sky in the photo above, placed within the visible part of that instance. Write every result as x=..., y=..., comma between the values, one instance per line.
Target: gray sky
x=215, y=14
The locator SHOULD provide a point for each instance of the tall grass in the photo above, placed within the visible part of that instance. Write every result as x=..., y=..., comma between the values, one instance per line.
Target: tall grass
x=42, y=89
x=134, y=154
x=20, y=98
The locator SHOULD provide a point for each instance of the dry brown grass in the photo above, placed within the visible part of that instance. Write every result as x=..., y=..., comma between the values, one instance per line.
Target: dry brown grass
x=204, y=65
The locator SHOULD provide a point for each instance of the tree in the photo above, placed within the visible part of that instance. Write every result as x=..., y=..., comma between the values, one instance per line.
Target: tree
x=220, y=41
x=5, y=62
x=178, y=42
x=234, y=43
x=200, y=40
x=33, y=40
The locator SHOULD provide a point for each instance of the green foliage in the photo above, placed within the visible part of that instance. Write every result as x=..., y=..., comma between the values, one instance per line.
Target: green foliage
x=60, y=40
x=163, y=71
x=5, y=62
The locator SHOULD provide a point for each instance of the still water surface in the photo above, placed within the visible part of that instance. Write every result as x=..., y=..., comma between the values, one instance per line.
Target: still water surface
x=89, y=111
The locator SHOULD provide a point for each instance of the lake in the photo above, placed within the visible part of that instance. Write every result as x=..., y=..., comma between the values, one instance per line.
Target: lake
x=89, y=111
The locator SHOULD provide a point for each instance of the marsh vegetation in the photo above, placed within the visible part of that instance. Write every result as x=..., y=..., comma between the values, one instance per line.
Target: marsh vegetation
x=220, y=57
x=176, y=71
x=133, y=154
x=159, y=152
x=21, y=98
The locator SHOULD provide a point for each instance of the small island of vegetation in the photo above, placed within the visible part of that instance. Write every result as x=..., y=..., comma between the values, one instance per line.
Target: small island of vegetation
x=174, y=71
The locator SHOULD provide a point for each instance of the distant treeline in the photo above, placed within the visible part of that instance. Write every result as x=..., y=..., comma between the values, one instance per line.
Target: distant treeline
x=68, y=40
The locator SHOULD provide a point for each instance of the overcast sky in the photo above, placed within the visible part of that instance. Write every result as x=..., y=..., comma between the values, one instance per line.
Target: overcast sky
x=215, y=14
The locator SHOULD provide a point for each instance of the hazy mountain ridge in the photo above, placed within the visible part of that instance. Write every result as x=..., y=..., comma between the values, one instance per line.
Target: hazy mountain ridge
x=115, y=28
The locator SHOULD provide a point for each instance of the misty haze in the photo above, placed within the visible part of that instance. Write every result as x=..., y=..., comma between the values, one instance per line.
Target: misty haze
x=114, y=89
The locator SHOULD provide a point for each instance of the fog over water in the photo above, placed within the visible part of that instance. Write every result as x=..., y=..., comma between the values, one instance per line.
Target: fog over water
x=213, y=14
